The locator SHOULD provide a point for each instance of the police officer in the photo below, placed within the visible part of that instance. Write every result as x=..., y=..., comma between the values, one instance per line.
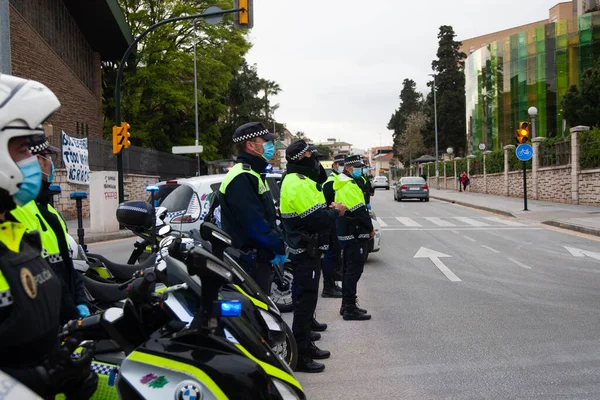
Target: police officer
x=333, y=256
x=247, y=208
x=306, y=221
x=354, y=229
x=40, y=216
x=365, y=185
x=30, y=292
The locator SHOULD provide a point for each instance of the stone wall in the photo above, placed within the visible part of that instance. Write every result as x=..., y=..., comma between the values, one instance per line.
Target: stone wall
x=589, y=187
x=515, y=184
x=476, y=184
x=135, y=189
x=554, y=184
x=496, y=184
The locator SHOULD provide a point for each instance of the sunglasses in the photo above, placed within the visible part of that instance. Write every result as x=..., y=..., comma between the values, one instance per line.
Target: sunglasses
x=49, y=156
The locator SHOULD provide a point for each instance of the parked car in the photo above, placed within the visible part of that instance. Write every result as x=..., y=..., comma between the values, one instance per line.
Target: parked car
x=380, y=182
x=412, y=187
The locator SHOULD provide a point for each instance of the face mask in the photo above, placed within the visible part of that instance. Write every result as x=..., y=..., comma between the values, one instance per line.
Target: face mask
x=51, y=175
x=269, y=150
x=32, y=181
x=340, y=170
x=356, y=172
x=365, y=171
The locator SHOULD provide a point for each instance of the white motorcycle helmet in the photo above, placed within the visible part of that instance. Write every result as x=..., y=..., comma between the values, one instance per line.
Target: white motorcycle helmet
x=24, y=106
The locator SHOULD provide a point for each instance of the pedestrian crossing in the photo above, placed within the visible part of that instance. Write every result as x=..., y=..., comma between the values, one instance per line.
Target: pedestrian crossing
x=449, y=222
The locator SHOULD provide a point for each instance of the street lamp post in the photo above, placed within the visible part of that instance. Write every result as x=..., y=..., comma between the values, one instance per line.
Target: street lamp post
x=437, y=158
x=532, y=114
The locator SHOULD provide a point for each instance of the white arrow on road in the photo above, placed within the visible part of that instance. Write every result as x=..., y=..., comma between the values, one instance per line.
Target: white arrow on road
x=582, y=253
x=435, y=256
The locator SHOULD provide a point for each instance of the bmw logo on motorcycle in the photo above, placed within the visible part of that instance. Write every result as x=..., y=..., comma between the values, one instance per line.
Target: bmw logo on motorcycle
x=188, y=391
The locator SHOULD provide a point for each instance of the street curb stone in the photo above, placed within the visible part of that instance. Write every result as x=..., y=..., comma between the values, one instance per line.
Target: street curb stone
x=462, y=203
x=104, y=237
x=577, y=228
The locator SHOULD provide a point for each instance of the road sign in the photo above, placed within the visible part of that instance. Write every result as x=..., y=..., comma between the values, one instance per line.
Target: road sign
x=482, y=146
x=187, y=149
x=524, y=152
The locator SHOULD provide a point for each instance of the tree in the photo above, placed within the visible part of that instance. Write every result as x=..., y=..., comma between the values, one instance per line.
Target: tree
x=582, y=105
x=410, y=143
x=157, y=88
x=450, y=93
x=325, y=150
x=299, y=135
x=410, y=102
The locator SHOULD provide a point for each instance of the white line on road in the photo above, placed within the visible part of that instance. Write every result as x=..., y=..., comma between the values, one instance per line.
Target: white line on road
x=519, y=263
x=503, y=221
x=435, y=256
x=469, y=238
x=417, y=213
x=471, y=221
x=445, y=270
x=407, y=221
x=490, y=249
x=438, y=221
x=499, y=228
x=381, y=222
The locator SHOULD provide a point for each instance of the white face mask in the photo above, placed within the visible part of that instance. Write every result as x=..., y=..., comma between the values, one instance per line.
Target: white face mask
x=340, y=170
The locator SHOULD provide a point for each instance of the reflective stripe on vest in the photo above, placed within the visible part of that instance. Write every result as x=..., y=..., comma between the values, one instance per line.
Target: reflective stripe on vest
x=300, y=197
x=348, y=193
x=238, y=169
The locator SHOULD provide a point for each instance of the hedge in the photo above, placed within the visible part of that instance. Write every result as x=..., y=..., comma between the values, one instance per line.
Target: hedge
x=494, y=162
x=589, y=149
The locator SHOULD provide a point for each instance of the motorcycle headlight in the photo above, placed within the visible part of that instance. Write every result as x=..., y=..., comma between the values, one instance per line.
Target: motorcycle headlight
x=271, y=322
x=285, y=390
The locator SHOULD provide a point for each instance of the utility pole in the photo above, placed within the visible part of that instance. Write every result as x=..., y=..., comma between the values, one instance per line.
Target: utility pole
x=437, y=157
x=196, y=96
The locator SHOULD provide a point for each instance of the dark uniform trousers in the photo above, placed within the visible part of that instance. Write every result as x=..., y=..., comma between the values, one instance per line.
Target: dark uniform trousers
x=263, y=276
x=354, y=263
x=307, y=272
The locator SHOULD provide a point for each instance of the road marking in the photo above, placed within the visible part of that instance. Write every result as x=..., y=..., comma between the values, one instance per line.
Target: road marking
x=381, y=222
x=582, y=253
x=471, y=221
x=438, y=221
x=417, y=213
x=491, y=228
x=435, y=256
x=490, y=249
x=503, y=221
x=519, y=263
x=471, y=239
x=407, y=221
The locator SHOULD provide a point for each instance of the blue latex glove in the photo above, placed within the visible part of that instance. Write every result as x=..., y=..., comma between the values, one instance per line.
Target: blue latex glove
x=369, y=206
x=84, y=311
x=279, y=259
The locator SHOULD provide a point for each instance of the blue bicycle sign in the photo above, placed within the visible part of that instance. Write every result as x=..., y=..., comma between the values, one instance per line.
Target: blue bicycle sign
x=524, y=152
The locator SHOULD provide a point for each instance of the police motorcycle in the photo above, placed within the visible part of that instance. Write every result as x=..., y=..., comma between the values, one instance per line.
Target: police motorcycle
x=198, y=349
x=258, y=308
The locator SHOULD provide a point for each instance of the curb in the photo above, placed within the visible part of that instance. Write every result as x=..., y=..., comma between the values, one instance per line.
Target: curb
x=571, y=227
x=462, y=203
x=104, y=237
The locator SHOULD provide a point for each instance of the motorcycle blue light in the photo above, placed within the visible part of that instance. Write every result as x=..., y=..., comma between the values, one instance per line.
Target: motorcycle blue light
x=151, y=188
x=231, y=308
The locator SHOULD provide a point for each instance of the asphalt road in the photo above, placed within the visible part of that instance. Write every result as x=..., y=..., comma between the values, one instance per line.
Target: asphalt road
x=491, y=308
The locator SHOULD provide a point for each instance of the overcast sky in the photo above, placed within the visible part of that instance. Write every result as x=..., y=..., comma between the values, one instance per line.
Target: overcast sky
x=341, y=69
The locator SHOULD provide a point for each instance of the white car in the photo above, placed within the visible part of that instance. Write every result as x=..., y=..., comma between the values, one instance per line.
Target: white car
x=380, y=182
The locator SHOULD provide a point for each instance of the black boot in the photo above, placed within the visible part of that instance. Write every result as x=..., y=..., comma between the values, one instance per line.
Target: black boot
x=331, y=290
x=314, y=336
x=353, y=313
x=317, y=326
x=343, y=308
x=316, y=353
x=307, y=364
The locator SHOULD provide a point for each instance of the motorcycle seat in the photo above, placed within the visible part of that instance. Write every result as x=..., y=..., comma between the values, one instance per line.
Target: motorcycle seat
x=123, y=272
x=104, y=292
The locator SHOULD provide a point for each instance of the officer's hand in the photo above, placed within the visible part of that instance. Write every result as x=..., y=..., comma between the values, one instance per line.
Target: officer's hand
x=340, y=207
x=369, y=206
x=279, y=259
x=372, y=234
x=84, y=311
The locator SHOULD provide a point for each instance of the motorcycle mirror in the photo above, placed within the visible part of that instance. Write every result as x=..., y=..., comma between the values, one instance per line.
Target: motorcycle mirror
x=161, y=212
x=164, y=230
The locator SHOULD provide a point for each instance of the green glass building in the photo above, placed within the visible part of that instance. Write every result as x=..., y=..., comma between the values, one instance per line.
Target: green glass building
x=531, y=68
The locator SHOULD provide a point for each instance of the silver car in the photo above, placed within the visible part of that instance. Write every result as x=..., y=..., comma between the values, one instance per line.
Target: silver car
x=411, y=187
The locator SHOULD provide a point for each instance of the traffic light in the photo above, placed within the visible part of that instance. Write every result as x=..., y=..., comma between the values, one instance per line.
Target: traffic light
x=126, y=134
x=243, y=19
x=522, y=134
x=120, y=136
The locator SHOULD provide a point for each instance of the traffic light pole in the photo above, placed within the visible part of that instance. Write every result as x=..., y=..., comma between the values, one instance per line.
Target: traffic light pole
x=122, y=67
x=525, y=185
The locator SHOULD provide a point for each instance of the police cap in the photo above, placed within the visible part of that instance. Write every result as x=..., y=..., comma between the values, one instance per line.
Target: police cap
x=295, y=150
x=39, y=144
x=354, y=161
x=250, y=131
x=339, y=159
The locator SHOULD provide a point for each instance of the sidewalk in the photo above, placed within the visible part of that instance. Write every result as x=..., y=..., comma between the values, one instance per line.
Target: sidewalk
x=94, y=237
x=585, y=219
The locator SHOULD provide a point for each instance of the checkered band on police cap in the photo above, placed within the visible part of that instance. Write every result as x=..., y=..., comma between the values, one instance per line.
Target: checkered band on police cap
x=295, y=150
x=251, y=130
x=39, y=144
x=339, y=159
x=355, y=161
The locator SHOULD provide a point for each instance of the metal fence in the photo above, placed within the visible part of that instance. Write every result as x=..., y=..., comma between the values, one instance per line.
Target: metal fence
x=555, y=153
x=143, y=161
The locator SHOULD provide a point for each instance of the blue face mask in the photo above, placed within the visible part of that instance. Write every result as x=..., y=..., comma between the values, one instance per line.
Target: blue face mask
x=51, y=176
x=269, y=150
x=365, y=171
x=32, y=181
x=356, y=172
